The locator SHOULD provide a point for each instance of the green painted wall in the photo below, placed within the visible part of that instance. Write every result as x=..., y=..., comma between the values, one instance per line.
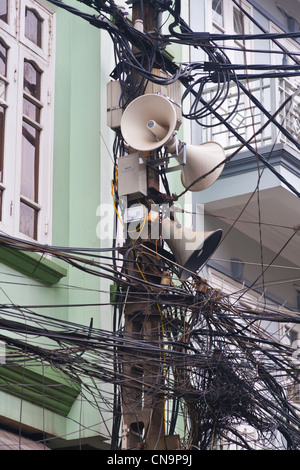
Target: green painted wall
x=82, y=173
x=81, y=181
x=80, y=127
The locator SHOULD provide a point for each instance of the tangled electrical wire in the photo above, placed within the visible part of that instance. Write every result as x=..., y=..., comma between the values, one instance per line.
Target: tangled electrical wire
x=211, y=360
x=134, y=70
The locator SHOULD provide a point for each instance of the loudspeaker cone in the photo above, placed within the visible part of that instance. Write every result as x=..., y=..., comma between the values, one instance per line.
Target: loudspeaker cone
x=201, y=255
x=191, y=248
x=204, y=159
x=148, y=122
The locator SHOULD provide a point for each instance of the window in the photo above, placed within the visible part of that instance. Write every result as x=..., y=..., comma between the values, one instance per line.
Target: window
x=217, y=20
x=286, y=86
x=30, y=150
x=217, y=8
x=4, y=10
x=33, y=27
x=26, y=113
x=225, y=18
x=3, y=105
x=238, y=21
x=238, y=28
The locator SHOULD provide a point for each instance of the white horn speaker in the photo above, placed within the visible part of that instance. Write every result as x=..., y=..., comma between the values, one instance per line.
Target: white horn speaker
x=148, y=122
x=191, y=248
x=201, y=160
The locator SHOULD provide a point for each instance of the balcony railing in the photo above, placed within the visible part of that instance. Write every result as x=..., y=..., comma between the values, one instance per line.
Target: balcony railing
x=248, y=118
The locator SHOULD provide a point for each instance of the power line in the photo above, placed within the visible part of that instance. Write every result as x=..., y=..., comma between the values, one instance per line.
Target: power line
x=211, y=352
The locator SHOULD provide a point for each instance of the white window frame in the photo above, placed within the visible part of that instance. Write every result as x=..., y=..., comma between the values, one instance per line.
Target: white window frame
x=285, y=87
x=239, y=119
x=289, y=44
x=11, y=26
x=20, y=48
x=228, y=26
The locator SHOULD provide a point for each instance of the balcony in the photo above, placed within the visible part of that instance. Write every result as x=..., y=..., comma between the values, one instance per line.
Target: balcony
x=247, y=119
x=246, y=186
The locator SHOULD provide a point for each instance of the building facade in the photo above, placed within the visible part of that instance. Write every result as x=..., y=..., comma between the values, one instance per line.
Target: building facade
x=56, y=167
x=54, y=69
x=258, y=260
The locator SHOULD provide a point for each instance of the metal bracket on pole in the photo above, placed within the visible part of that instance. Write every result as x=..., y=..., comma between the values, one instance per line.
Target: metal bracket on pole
x=166, y=159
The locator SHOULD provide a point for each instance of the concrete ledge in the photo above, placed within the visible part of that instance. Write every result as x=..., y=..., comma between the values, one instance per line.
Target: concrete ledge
x=56, y=395
x=34, y=265
x=278, y=155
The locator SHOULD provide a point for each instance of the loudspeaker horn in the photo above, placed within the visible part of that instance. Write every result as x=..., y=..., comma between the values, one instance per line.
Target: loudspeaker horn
x=191, y=248
x=200, y=161
x=148, y=122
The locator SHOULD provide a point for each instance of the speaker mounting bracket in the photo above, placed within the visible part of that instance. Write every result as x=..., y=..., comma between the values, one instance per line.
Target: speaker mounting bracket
x=166, y=159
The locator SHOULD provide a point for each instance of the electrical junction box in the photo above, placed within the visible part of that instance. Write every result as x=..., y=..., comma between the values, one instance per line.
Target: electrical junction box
x=172, y=92
x=114, y=110
x=132, y=176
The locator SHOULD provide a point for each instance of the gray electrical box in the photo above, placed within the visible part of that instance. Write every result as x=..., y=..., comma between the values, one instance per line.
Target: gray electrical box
x=132, y=176
x=114, y=111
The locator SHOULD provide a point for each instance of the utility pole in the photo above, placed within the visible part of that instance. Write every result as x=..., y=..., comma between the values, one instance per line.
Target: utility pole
x=148, y=125
x=143, y=403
